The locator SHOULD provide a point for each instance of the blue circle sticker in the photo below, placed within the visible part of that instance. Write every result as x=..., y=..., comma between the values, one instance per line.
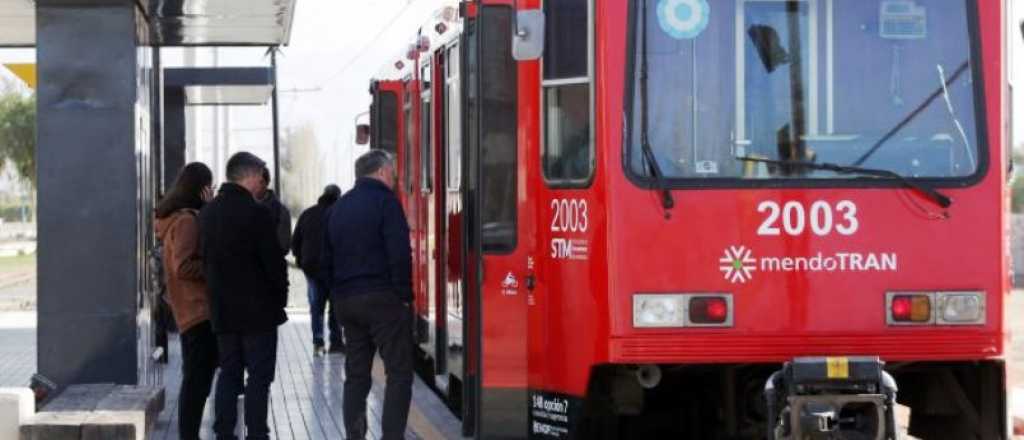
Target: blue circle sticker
x=683, y=19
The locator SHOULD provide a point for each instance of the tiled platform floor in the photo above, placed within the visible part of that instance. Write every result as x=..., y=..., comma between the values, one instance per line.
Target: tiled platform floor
x=306, y=397
x=17, y=348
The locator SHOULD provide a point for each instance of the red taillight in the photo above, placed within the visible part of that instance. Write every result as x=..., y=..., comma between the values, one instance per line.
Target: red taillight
x=901, y=308
x=911, y=308
x=708, y=310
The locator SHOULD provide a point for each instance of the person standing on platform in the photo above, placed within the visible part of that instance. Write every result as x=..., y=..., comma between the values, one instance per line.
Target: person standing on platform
x=177, y=227
x=248, y=285
x=278, y=212
x=307, y=242
x=367, y=262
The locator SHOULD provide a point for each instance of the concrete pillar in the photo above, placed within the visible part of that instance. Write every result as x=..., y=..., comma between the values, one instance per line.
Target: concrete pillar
x=175, y=133
x=94, y=196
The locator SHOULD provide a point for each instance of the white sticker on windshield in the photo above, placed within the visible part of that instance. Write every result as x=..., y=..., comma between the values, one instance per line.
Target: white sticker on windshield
x=683, y=19
x=707, y=167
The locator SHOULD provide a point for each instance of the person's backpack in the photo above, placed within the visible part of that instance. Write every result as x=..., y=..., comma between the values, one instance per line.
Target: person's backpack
x=158, y=279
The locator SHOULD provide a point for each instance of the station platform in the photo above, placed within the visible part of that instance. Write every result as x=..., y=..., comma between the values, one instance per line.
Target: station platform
x=306, y=397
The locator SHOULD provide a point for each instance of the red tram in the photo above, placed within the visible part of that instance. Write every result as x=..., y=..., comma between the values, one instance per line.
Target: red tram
x=708, y=219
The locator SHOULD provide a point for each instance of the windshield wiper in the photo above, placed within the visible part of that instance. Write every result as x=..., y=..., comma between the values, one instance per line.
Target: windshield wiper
x=913, y=114
x=932, y=194
x=667, y=201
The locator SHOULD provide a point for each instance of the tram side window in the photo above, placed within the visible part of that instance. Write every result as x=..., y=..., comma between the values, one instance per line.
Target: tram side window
x=453, y=115
x=426, y=160
x=498, y=118
x=568, y=158
x=387, y=112
x=426, y=126
x=410, y=131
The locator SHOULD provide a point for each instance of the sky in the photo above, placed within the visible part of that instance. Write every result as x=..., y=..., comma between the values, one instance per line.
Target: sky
x=338, y=45
x=324, y=73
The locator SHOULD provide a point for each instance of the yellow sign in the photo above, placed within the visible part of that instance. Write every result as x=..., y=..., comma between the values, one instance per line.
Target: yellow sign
x=26, y=72
x=838, y=367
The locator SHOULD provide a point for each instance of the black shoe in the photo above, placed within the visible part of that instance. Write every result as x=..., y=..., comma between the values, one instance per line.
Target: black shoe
x=337, y=348
x=318, y=349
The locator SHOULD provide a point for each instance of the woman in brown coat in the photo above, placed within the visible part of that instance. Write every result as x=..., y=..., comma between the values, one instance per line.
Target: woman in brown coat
x=177, y=227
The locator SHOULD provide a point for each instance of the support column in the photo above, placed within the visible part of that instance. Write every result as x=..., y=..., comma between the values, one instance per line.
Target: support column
x=93, y=149
x=175, y=133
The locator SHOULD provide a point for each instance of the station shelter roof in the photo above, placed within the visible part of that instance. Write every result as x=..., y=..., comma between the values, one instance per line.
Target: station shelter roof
x=177, y=22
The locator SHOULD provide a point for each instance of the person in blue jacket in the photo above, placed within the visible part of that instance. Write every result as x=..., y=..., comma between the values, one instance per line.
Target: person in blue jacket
x=367, y=263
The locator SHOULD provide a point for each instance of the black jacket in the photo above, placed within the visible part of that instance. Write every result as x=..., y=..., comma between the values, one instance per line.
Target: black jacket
x=281, y=218
x=245, y=272
x=367, y=247
x=308, y=239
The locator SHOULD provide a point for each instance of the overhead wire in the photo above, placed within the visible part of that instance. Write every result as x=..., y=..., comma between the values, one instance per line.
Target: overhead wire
x=352, y=61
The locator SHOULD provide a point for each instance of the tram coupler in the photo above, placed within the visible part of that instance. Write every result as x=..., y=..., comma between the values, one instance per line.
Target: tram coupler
x=840, y=398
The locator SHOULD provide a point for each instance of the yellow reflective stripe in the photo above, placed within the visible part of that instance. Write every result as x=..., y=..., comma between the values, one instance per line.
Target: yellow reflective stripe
x=26, y=72
x=838, y=367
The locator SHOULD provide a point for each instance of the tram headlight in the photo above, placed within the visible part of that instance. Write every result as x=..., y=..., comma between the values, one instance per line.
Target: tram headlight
x=659, y=311
x=960, y=308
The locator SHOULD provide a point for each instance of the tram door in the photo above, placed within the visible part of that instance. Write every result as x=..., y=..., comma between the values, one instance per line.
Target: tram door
x=430, y=325
x=450, y=338
x=497, y=235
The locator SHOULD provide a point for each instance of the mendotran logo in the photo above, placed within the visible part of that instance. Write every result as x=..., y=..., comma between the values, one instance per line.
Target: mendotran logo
x=739, y=264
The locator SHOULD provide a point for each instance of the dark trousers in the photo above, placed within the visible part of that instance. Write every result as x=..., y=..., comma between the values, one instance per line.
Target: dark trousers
x=163, y=323
x=373, y=321
x=240, y=353
x=319, y=300
x=199, y=363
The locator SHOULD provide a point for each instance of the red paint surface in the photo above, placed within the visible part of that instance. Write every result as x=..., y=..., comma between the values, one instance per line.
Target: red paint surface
x=580, y=313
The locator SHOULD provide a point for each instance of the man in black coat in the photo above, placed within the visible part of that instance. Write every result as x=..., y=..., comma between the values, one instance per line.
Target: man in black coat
x=278, y=212
x=307, y=242
x=248, y=287
x=367, y=262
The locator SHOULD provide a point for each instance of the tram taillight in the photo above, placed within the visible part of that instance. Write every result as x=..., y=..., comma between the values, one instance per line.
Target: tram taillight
x=682, y=310
x=911, y=308
x=708, y=310
x=935, y=308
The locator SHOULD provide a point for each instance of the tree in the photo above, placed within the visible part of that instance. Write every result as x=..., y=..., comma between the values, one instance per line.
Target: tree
x=18, y=134
x=301, y=168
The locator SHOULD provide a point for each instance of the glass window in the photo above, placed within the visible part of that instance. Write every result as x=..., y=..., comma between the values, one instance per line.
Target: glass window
x=498, y=88
x=568, y=159
x=565, y=44
x=872, y=83
x=426, y=144
x=387, y=122
x=453, y=116
x=410, y=138
x=425, y=73
x=567, y=133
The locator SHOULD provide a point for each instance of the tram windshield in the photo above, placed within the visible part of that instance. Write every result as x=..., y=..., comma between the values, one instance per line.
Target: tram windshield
x=883, y=84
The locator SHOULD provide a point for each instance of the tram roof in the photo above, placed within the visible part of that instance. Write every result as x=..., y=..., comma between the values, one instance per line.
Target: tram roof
x=436, y=37
x=178, y=22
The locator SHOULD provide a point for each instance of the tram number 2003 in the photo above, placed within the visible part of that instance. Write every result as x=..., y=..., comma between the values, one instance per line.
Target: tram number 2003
x=569, y=215
x=822, y=218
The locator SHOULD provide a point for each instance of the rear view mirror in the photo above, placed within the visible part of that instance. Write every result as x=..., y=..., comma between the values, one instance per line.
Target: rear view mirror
x=362, y=134
x=528, y=40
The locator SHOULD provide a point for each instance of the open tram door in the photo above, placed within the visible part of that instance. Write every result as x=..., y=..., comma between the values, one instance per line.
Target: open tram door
x=497, y=227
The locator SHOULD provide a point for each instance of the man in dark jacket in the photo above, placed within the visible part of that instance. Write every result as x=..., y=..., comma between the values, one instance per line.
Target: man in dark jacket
x=248, y=287
x=367, y=262
x=278, y=212
x=307, y=242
